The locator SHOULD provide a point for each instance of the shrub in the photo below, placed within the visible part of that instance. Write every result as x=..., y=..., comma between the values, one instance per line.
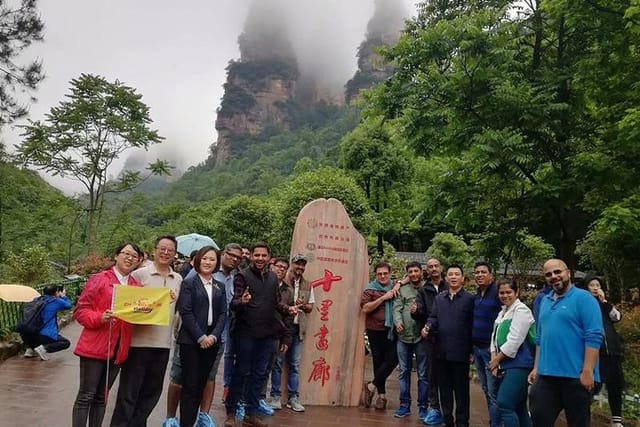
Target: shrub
x=92, y=264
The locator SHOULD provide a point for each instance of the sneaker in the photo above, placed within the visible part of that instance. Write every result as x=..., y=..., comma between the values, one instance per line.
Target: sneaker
x=434, y=417
x=264, y=408
x=240, y=411
x=42, y=352
x=225, y=394
x=275, y=402
x=295, y=404
x=402, y=412
x=204, y=420
x=171, y=422
x=29, y=353
x=616, y=424
x=422, y=413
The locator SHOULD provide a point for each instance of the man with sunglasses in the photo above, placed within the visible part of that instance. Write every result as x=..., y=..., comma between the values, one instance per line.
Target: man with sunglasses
x=568, y=337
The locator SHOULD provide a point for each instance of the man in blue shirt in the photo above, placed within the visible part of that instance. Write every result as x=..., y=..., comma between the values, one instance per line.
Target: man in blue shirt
x=569, y=334
x=486, y=309
x=48, y=340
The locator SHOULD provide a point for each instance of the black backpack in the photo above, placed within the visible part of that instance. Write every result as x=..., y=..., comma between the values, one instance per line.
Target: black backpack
x=31, y=321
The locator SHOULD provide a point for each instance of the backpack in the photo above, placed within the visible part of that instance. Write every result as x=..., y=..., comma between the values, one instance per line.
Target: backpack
x=31, y=321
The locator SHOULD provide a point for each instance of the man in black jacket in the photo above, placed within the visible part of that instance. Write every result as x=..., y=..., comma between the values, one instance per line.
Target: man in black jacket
x=424, y=303
x=254, y=330
x=452, y=318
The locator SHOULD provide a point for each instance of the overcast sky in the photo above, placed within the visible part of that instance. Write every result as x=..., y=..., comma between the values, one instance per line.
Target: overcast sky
x=175, y=53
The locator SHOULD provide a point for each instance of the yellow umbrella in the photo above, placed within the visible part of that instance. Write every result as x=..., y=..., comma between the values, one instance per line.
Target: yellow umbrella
x=17, y=293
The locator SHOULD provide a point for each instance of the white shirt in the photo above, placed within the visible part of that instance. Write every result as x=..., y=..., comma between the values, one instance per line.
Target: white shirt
x=208, y=286
x=122, y=279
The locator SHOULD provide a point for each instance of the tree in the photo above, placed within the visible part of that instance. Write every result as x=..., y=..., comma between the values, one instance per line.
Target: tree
x=382, y=167
x=612, y=245
x=29, y=267
x=449, y=249
x=292, y=196
x=83, y=136
x=19, y=27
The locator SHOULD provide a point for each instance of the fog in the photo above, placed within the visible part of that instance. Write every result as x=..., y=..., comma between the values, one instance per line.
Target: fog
x=175, y=54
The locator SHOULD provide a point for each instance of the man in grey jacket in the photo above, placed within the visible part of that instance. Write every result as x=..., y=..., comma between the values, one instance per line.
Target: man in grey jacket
x=410, y=342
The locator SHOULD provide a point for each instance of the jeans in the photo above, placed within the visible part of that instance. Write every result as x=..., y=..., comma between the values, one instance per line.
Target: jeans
x=405, y=358
x=385, y=357
x=141, y=383
x=228, y=357
x=512, y=398
x=292, y=356
x=482, y=357
x=550, y=395
x=251, y=363
x=432, y=375
x=90, y=401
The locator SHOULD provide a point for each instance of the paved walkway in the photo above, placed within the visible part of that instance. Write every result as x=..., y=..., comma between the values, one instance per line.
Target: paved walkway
x=37, y=393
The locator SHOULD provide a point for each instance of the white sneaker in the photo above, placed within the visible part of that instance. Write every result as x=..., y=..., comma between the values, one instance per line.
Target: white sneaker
x=42, y=352
x=275, y=402
x=295, y=404
x=29, y=353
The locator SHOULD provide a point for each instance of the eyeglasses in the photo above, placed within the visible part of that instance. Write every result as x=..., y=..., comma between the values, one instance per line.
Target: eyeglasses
x=233, y=256
x=280, y=266
x=165, y=250
x=556, y=272
x=128, y=255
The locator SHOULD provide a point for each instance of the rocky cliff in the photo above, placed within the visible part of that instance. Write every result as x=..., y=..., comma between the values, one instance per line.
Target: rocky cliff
x=382, y=30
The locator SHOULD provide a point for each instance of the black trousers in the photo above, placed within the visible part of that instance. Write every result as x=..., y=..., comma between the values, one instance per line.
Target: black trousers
x=433, y=376
x=196, y=365
x=49, y=344
x=550, y=395
x=385, y=357
x=140, y=388
x=611, y=375
x=454, y=385
x=90, y=401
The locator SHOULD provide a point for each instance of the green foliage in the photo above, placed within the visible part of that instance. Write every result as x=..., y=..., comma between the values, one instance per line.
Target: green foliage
x=325, y=182
x=20, y=25
x=613, y=243
x=256, y=71
x=34, y=213
x=29, y=267
x=450, y=249
x=82, y=137
x=529, y=253
x=235, y=100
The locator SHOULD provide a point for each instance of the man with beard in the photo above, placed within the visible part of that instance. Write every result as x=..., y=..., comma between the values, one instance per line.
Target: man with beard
x=568, y=338
x=410, y=343
x=253, y=330
x=424, y=303
x=301, y=293
x=487, y=307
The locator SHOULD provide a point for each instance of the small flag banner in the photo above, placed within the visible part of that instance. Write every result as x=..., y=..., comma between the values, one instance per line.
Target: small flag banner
x=142, y=306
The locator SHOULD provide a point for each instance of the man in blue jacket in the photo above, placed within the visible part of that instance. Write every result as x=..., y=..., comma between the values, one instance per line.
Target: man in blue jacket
x=569, y=334
x=48, y=340
x=452, y=319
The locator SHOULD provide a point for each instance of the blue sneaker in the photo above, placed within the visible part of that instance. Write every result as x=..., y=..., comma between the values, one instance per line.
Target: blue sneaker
x=204, y=420
x=240, y=411
x=171, y=422
x=402, y=412
x=422, y=412
x=264, y=408
x=434, y=417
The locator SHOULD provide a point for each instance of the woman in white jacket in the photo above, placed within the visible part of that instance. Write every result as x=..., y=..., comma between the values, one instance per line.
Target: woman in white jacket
x=512, y=355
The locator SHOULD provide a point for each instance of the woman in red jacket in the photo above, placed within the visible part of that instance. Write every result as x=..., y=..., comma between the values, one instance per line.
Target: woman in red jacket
x=104, y=339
